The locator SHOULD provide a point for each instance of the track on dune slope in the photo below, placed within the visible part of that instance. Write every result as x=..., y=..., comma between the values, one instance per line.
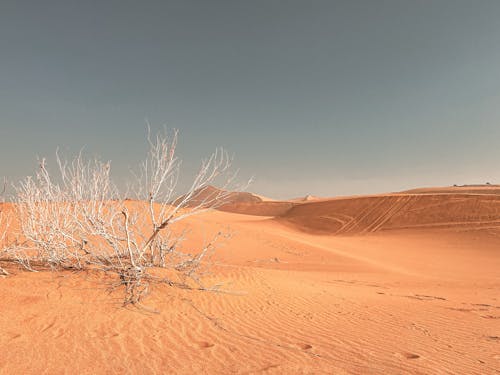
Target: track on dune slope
x=369, y=214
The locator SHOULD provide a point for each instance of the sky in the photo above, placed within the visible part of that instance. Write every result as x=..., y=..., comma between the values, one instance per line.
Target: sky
x=312, y=97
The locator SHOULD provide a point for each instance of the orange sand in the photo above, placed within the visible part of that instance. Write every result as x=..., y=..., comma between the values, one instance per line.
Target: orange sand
x=389, y=284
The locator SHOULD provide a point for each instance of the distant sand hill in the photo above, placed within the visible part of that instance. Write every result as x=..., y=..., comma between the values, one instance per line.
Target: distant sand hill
x=444, y=207
x=240, y=202
x=465, y=189
x=212, y=193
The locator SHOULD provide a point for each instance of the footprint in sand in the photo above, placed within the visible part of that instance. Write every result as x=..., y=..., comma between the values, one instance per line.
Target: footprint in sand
x=407, y=355
x=304, y=346
x=490, y=316
x=204, y=344
x=425, y=297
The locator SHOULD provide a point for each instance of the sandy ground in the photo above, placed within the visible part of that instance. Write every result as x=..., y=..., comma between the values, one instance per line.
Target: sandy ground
x=388, y=284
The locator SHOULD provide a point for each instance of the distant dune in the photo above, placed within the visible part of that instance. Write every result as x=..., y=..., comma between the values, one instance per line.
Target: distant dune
x=463, y=189
x=212, y=193
x=240, y=202
x=396, y=211
x=432, y=208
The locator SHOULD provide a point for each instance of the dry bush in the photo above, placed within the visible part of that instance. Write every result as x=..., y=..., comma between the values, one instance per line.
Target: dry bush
x=82, y=220
x=4, y=228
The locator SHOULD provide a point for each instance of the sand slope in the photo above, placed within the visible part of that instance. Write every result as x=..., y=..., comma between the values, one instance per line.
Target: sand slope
x=396, y=211
x=414, y=291
x=464, y=189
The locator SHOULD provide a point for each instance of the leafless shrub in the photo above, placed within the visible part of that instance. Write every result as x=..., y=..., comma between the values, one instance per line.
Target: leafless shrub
x=5, y=224
x=83, y=221
x=4, y=227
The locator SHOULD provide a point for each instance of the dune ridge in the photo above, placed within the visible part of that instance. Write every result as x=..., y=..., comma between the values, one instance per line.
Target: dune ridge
x=396, y=211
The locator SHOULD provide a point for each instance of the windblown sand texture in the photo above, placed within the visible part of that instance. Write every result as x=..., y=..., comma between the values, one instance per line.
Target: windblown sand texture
x=403, y=283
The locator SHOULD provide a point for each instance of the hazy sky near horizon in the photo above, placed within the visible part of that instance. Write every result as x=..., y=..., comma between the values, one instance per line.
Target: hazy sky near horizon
x=312, y=97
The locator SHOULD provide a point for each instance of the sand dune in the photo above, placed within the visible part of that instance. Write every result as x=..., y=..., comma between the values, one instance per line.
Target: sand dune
x=212, y=193
x=396, y=211
x=464, y=189
x=240, y=202
x=387, y=284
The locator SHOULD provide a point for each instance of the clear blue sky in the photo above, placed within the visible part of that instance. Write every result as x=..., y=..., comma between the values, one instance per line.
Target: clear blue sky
x=320, y=97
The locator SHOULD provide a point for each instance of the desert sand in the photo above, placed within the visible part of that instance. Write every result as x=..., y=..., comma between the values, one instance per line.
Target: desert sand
x=402, y=283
